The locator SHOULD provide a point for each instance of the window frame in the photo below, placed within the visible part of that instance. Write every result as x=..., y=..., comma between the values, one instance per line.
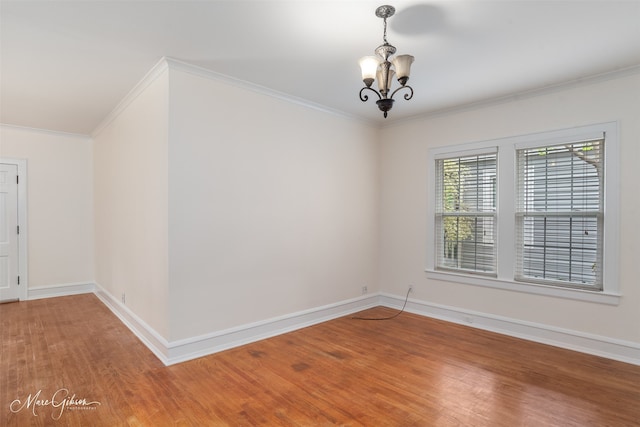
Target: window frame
x=506, y=212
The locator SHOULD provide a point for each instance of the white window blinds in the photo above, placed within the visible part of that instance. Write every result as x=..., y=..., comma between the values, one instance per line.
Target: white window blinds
x=465, y=219
x=559, y=214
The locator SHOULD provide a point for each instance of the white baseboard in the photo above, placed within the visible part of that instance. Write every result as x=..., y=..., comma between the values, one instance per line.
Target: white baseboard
x=149, y=337
x=624, y=351
x=60, y=290
x=191, y=348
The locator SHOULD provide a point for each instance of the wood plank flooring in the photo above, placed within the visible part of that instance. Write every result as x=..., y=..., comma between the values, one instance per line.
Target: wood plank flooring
x=409, y=371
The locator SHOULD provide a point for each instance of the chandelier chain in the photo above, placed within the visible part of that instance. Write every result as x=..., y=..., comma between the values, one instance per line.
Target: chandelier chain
x=384, y=37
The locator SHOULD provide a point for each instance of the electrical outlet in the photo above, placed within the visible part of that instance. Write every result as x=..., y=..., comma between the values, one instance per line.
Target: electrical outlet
x=123, y=298
x=364, y=290
x=410, y=288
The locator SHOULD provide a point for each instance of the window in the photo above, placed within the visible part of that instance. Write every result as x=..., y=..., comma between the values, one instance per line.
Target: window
x=534, y=213
x=465, y=213
x=559, y=213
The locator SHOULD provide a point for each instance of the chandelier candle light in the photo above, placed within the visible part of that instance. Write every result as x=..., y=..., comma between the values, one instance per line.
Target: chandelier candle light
x=378, y=67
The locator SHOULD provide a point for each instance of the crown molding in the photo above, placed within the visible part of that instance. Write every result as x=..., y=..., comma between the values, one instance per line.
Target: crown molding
x=46, y=131
x=525, y=94
x=171, y=63
x=155, y=72
x=243, y=84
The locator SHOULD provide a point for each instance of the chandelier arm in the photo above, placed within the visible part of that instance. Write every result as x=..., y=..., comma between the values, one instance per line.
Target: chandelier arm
x=365, y=98
x=407, y=96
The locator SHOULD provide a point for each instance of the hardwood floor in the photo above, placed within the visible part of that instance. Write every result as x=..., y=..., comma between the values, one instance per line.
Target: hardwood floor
x=409, y=371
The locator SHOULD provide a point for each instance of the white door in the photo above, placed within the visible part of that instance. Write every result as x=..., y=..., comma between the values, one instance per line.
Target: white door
x=9, y=281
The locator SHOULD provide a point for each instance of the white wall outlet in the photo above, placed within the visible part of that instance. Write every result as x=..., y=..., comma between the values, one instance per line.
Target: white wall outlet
x=123, y=298
x=364, y=290
x=410, y=288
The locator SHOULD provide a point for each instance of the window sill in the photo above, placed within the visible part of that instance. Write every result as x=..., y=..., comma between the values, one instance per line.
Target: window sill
x=601, y=297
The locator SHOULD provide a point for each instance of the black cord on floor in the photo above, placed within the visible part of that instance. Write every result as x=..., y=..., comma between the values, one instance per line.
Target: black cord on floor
x=386, y=318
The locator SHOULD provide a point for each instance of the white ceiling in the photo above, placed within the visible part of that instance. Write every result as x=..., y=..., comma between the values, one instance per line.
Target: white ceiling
x=65, y=65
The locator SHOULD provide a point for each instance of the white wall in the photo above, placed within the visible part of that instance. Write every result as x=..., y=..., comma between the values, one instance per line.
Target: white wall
x=213, y=206
x=60, y=204
x=130, y=192
x=403, y=203
x=272, y=206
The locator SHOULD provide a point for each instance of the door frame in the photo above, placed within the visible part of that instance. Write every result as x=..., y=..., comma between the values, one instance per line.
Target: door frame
x=23, y=253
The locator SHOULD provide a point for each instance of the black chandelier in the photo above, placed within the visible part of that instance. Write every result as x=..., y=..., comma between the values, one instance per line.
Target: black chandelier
x=378, y=67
